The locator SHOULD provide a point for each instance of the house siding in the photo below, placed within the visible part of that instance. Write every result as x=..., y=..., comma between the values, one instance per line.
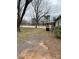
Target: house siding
x=58, y=23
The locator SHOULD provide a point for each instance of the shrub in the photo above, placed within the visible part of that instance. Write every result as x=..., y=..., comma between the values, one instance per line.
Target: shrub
x=57, y=32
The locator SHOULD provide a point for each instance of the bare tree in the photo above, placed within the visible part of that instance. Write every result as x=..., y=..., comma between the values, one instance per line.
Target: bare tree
x=20, y=17
x=18, y=14
x=40, y=10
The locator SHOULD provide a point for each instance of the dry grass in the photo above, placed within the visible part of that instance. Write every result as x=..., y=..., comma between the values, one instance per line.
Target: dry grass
x=26, y=32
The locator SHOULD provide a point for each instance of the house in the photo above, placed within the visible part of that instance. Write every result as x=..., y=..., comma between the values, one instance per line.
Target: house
x=50, y=26
x=55, y=23
x=58, y=21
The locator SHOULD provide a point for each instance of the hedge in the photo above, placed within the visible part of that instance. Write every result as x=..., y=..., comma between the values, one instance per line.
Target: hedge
x=57, y=32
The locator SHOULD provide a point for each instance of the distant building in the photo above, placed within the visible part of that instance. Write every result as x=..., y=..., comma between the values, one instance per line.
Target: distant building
x=47, y=17
x=55, y=23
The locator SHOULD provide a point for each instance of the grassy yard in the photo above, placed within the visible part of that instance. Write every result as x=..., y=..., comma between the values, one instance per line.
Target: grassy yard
x=26, y=32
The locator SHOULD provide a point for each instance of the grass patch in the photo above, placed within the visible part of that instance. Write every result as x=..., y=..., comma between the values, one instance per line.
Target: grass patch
x=26, y=32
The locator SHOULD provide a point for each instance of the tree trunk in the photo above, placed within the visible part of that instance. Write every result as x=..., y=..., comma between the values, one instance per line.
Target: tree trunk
x=36, y=25
x=18, y=14
x=36, y=21
x=18, y=25
x=19, y=20
x=18, y=28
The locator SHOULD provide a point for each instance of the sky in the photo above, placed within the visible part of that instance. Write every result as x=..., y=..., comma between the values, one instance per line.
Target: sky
x=55, y=9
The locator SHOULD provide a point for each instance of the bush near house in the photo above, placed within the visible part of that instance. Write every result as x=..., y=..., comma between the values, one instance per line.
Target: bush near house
x=57, y=32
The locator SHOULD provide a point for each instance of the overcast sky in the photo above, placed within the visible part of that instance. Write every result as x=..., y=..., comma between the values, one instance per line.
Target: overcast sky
x=55, y=9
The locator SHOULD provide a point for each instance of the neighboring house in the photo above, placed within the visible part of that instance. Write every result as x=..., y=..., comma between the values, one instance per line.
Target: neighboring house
x=55, y=23
x=58, y=21
x=50, y=25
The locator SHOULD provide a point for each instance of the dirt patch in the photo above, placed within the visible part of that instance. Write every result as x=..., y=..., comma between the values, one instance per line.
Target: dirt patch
x=54, y=47
x=38, y=44
x=37, y=53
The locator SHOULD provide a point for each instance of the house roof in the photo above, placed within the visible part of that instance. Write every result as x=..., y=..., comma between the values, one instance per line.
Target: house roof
x=59, y=17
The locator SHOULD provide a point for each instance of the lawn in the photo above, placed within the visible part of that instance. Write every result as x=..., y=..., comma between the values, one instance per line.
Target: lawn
x=26, y=32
